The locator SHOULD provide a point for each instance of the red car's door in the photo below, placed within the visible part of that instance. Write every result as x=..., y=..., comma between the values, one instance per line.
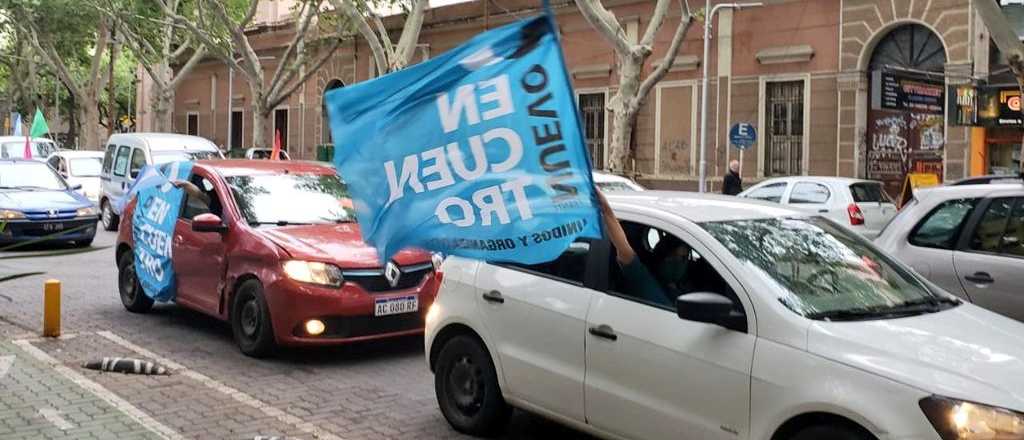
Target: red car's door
x=199, y=257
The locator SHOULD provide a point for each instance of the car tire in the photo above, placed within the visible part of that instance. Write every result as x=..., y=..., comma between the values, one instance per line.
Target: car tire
x=132, y=296
x=466, y=385
x=84, y=243
x=107, y=216
x=250, y=321
x=831, y=433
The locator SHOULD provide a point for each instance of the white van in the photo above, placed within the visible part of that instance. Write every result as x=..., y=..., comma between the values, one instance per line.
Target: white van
x=128, y=153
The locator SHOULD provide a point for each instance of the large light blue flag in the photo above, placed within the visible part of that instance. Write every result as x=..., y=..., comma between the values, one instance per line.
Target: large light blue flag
x=476, y=153
x=153, y=221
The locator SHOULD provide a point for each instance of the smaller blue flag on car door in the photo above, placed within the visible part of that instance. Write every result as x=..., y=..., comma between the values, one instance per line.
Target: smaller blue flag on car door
x=476, y=153
x=156, y=213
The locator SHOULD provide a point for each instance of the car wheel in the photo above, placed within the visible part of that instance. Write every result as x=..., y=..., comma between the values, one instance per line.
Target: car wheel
x=831, y=433
x=107, y=216
x=250, y=320
x=467, y=388
x=132, y=296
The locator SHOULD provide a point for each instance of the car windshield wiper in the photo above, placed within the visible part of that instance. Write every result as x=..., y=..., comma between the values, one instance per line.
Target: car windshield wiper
x=279, y=223
x=861, y=314
x=931, y=303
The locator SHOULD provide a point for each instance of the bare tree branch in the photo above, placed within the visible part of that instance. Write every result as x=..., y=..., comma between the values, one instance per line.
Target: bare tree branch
x=349, y=9
x=685, y=20
x=183, y=72
x=657, y=18
x=410, y=33
x=605, y=23
x=306, y=14
x=309, y=73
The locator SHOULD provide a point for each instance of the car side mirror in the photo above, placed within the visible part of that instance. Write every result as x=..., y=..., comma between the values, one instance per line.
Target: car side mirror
x=134, y=173
x=76, y=187
x=708, y=307
x=208, y=223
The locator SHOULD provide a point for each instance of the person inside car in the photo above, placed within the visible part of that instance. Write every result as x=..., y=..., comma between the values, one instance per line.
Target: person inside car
x=671, y=258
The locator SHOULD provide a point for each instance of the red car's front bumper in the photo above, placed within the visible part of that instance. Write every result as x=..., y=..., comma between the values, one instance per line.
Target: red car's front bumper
x=347, y=312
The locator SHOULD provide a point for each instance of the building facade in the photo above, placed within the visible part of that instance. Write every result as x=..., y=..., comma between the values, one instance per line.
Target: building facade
x=833, y=87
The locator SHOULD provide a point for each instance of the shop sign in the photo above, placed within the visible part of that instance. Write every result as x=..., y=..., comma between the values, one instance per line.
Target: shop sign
x=963, y=105
x=999, y=107
x=893, y=91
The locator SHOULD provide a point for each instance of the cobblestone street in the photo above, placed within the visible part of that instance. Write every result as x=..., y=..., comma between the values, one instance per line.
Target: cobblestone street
x=368, y=391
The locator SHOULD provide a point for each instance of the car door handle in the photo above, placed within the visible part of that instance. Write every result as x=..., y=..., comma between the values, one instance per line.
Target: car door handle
x=494, y=296
x=823, y=211
x=604, y=331
x=980, y=278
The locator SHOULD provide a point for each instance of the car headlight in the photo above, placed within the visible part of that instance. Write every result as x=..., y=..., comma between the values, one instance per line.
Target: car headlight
x=959, y=420
x=314, y=273
x=10, y=214
x=436, y=260
x=88, y=211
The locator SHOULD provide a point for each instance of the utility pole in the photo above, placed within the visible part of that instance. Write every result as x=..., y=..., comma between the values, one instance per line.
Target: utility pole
x=708, y=19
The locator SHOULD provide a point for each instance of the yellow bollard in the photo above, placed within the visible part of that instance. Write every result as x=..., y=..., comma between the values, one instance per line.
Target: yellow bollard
x=51, y=309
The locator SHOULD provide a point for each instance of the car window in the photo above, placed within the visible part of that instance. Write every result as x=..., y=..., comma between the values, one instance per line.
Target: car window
x=614, y=186
x=941, y=227
x=108, y=159
x=54, y=162
x=569, y=267
x=30, y=175
x=194, y=206
x=121, y=164
x=771, y=193
x=138, y=162
x=85, y=166
x=281, y=199
x=999, y=230
x=808, y=192
x=674, y=269
x=868, y=192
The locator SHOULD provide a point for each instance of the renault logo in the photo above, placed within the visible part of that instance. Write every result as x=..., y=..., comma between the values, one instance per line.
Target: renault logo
x=392, y=273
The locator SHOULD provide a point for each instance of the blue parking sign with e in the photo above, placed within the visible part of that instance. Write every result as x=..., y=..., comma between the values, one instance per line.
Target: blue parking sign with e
x=742, y=135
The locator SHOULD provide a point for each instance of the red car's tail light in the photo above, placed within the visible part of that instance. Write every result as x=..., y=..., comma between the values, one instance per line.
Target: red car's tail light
x=856, y=216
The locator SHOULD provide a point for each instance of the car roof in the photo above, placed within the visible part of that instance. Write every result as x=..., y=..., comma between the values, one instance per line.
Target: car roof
x=602, y=176
x=21, y=160
x=821, y=179
x=165, y=141
x=698, y=207
x=248, y=167
x=79, y=153
x=945, y=192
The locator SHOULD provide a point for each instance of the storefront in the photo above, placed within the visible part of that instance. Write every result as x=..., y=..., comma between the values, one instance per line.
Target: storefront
x=996, y=144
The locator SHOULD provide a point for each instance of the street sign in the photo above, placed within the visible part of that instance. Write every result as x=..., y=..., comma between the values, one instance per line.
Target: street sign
x=742, y=135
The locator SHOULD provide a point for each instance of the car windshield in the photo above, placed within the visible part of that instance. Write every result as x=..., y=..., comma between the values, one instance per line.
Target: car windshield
x=86, y=166
x=16, y=150
x=822, y=271
x=29, y=175
x=284, y=199
x=182, y=155
x=614, y=186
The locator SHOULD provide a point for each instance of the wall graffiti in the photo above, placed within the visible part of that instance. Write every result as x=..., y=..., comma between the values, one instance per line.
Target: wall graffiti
x=903, y=142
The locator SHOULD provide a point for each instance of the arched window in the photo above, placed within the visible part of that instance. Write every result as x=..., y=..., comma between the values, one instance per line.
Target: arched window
x=325, y=125
x=910, y=46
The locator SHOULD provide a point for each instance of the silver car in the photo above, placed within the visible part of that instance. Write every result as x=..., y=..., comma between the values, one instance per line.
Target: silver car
x=967, y=239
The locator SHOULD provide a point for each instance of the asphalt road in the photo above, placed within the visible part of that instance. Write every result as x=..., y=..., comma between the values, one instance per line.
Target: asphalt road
x=369, y=391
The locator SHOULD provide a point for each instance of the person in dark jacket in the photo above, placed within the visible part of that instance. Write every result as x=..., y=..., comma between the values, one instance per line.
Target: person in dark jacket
x=732, y=184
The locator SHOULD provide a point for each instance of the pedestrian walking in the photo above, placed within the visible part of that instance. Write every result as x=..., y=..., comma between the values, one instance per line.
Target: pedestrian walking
x=732, y=184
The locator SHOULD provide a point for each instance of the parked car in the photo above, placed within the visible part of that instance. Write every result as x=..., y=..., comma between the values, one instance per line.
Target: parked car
x=13, y=147
x=613, y=182
x=790, y=327
x=80, y=168
x=968, y=239
x=991, y=178
x=278, y=254
x=255, y=153
x=128, y=153
x=35, y=202
x=861, y=205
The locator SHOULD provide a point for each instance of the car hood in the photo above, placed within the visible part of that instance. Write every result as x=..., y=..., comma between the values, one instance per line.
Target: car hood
x=39, y=200
x=965, y=352
x=341, y=244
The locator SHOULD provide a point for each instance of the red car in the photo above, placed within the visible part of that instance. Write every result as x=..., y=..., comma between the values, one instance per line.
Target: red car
x=278, y=254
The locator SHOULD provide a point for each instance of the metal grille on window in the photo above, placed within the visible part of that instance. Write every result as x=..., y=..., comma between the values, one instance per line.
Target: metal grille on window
x=592, y=111
x=785, y=107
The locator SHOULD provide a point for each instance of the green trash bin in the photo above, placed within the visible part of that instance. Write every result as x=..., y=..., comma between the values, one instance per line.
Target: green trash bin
x=325, y=153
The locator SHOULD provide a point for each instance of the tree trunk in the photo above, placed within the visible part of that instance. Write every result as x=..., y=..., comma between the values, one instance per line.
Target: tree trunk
x=89, y=118
x=624, y=106
x=259, y=126
x=163, y=101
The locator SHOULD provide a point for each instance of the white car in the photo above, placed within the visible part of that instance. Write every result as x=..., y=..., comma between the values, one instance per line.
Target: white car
x=861, y=205
x=80, y=168
x=13, y=147
x=611, y=182
x=968, y=239
x=791, y=327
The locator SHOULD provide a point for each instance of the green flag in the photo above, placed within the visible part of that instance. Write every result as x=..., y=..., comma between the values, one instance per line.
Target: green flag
x=39, y=127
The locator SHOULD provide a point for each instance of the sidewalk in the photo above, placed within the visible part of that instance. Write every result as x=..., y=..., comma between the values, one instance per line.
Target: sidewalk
x=39, y=401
